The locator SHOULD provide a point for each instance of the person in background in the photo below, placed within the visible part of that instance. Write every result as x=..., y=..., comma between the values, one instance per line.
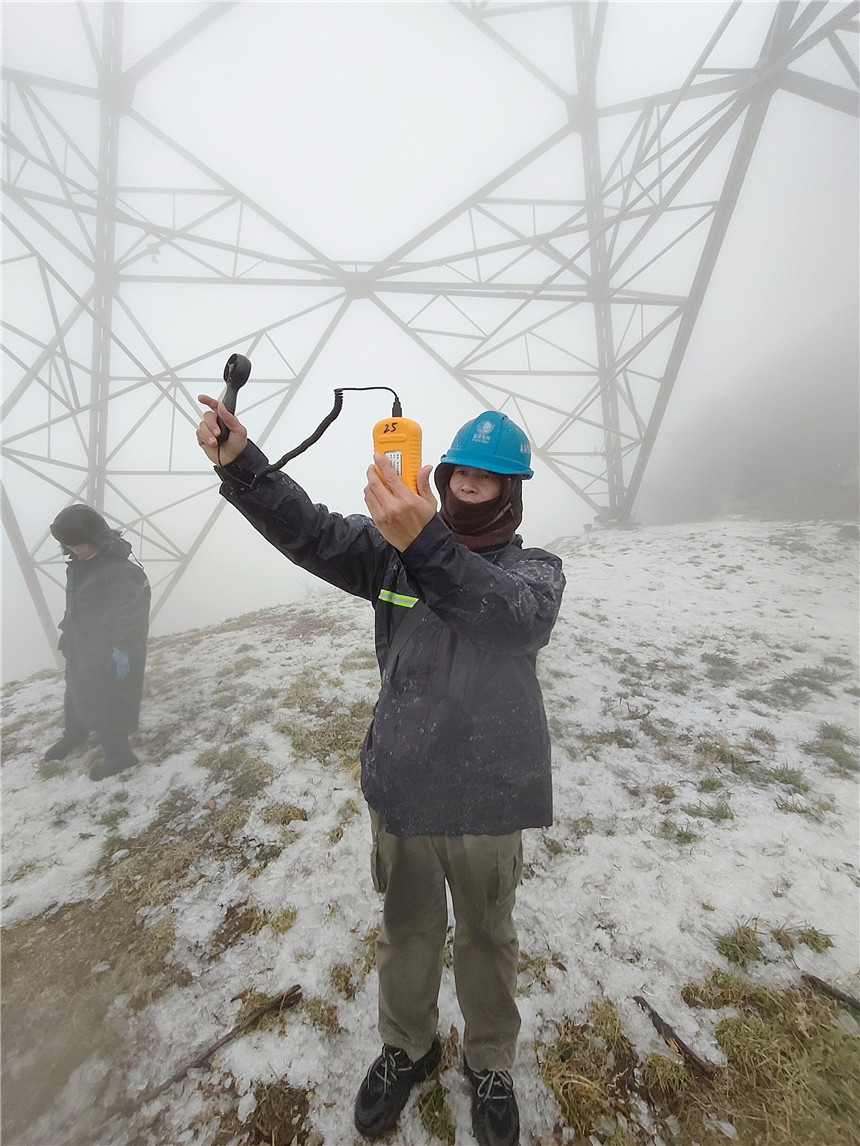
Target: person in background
x=456, y=761
x=103, y=638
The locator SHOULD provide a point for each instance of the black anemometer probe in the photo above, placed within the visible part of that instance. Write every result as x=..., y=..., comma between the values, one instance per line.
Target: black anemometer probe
x=398, y=438
x=236, y=374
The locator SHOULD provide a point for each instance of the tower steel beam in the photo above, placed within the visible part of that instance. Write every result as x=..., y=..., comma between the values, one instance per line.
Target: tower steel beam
x=565, y=289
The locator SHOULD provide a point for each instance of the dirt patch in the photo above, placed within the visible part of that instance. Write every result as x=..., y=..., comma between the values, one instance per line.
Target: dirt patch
x=75, y=974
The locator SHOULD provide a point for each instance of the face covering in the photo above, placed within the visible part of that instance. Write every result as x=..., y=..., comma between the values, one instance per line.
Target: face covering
x=487, y=524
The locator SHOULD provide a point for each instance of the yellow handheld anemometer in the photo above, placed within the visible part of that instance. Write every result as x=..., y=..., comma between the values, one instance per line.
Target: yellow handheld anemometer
x=398, y=438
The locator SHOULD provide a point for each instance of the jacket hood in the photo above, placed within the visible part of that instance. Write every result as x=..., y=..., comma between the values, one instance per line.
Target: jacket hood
x=77, y=524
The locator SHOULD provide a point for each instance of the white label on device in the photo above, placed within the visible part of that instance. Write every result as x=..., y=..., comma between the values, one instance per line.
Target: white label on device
x=396, y=459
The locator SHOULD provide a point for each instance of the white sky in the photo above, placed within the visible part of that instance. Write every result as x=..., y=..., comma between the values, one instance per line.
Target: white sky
x=357, y=125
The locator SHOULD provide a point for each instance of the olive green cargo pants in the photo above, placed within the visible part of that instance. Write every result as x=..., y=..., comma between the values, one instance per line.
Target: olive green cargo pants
x=483, y=873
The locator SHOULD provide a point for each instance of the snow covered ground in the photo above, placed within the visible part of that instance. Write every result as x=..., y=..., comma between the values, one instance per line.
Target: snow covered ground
x=702, y=692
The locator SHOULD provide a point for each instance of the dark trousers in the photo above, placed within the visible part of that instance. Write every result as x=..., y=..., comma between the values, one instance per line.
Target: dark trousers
x=114, y=741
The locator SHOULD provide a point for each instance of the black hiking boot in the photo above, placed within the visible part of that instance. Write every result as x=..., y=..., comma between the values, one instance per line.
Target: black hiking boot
x=61, y=749
x=386, y=1087
x=495, y=1114
x=106, y=768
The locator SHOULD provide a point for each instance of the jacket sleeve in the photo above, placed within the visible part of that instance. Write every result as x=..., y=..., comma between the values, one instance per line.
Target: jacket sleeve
x=347, y=552
x=128, y=607
x=510, y=608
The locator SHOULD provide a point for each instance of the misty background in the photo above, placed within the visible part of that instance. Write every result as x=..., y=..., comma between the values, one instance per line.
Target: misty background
x=359, y=124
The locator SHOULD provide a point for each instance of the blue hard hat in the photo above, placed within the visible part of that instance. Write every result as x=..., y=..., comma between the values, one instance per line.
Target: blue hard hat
x=491, y=442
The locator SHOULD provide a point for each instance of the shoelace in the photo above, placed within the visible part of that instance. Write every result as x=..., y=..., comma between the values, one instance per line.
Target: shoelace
x=494, y=1086
x=390, y=1063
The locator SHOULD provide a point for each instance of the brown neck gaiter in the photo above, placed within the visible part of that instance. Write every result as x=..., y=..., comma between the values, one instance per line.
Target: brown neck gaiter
x=488, y=524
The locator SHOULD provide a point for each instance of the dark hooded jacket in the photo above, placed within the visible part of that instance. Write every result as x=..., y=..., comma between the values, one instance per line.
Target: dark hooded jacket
x=107, y=608
x=458, y=744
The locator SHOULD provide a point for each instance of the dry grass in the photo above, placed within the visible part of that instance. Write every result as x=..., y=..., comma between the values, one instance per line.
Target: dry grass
x=282, y=814
x=792, y=1075
x=588, y=1067
x=280, y=1117
x=333, y=741
x=322, y=1014
x=435, y=1113
x=64, y=973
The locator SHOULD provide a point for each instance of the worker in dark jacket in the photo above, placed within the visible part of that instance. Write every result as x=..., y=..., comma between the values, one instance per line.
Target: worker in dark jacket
x=456, y=761
x=103, y=638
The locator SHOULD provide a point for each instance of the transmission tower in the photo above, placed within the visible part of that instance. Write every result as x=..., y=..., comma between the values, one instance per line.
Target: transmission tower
x=564, y=291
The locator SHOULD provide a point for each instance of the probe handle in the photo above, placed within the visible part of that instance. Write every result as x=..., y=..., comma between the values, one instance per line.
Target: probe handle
x=236, y=373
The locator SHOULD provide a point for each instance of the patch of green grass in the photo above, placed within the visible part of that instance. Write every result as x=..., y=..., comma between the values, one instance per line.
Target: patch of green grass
x=665, y=793
x=362, y=659
x=793, y=690
x=709, y=784
x=836, y=744
x=730, y=989
x=718, y=812
x=764, y=736
x=743, y=945
x=829, y=731
x=664, y=1078
x=791, y=778
x=788, y=936
x=620, y=737
x=792, y=1062
x=814, y=938
x=721, y=669
x=682, y=836
x=661, y=731
x=814, y=810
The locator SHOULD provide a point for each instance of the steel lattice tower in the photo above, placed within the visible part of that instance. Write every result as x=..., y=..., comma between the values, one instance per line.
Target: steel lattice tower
x=543, y=294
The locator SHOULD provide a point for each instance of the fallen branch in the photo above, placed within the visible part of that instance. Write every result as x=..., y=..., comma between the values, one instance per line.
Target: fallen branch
x=287, y=999
x=674, y=1041
x=831, y=992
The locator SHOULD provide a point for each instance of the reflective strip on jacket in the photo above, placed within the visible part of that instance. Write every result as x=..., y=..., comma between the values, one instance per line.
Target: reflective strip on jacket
x=458, y=744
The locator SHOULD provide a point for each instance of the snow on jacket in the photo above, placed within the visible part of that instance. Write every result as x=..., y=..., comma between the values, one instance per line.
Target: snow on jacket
x=458, y=744
x=107, y=608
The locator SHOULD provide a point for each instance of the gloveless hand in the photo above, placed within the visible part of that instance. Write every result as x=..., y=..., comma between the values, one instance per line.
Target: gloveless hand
x=208, y=432
x=398, y=512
